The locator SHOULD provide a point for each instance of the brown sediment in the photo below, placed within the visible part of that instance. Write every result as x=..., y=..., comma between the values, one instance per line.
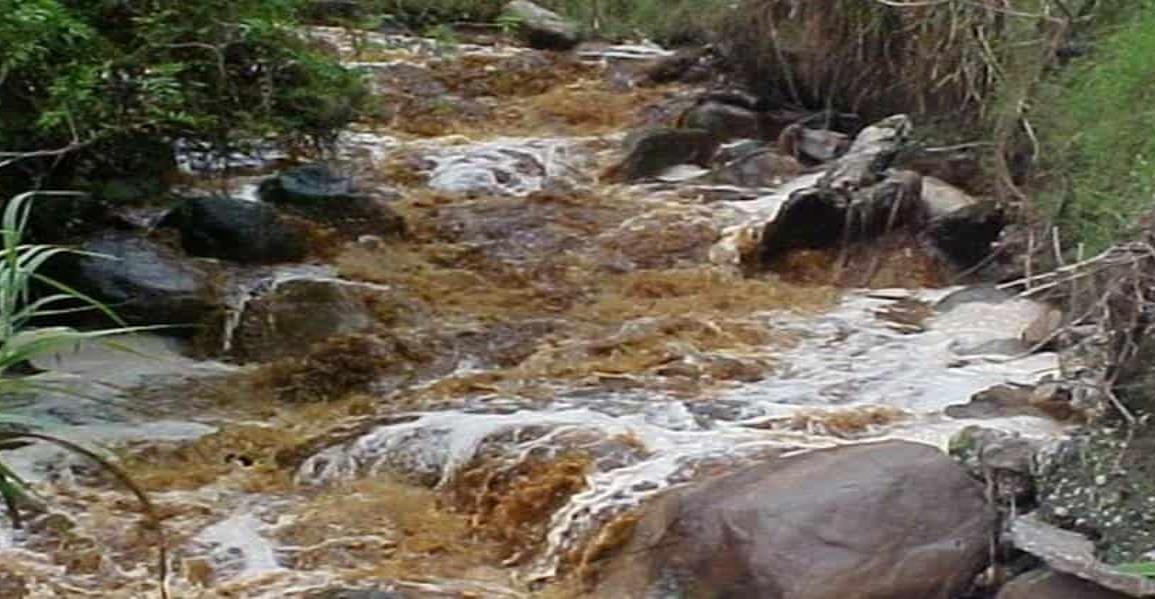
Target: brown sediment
x=512, y=504
x=847, y=423
x=890, y=262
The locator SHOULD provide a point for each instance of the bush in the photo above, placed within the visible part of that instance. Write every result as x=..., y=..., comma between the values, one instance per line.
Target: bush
x=100, y=87
x=1095, y=120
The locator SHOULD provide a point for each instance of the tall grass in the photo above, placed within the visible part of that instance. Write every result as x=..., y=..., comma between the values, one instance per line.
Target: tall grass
x=20, y=342
x=1096, y=121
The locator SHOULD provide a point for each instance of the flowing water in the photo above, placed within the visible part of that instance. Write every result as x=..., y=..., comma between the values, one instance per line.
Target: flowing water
x=585, y=347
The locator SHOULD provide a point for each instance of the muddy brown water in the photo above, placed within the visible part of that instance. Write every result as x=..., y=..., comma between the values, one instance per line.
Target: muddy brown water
x=567, y=350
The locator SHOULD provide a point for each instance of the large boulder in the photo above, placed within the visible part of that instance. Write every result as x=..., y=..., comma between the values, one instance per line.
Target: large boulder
x=296, y=314
x=541, y=28
x=236, y=230
x=870, y=521
x=144, y=282
x=317, y=193
x=758, y=167
x=1045, y=584
x=654, y=151
x=724, y=121
x=966, y=236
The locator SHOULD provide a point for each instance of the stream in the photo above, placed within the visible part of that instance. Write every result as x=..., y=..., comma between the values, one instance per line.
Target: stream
x=590, y=343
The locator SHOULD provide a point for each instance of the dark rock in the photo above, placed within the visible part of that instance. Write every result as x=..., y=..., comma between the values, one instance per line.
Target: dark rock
x=1045, y=584
x=61, y=218
x=542, y=29
x=316, y=193
x=144, y=282
x=958, y=168
x=723, y=121
x=885, y=520
x=341, y=593
x=295, y=315
x=688, y=65
x=237, y=230
x=1072, y=553
x=759, y=168
x=657, y=150
x=966, y=236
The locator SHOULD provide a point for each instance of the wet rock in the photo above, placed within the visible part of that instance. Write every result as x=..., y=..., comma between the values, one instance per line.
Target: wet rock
x=62, y=218
x=404, y=79
x=812, y=145
x=688, y=65
x=724, y=121
x=659, y=149
x=145, y=282
x=1069, y=552
x=872, y=152
x=759, y=166
x=1001, y=401
x=341, y=593
x=1045, y=584
x=960, y=169
x=1006, y=460
x=316, y=193
x=942, y=198
x=540, y=28
x=295, y=315
x=814, y=526
x=966, y=236
x=236, y=230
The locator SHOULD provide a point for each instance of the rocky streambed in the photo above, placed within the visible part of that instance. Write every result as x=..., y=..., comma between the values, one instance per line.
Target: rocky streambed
x=522, y=335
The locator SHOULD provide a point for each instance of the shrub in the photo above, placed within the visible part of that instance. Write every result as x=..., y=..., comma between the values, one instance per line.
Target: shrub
x=102, y=88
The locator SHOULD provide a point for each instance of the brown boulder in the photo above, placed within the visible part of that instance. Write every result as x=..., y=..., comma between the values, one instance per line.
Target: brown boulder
x=1044, y=584
x=870, y=521
x=724, y=121
x=295, y=315
x=654, y=151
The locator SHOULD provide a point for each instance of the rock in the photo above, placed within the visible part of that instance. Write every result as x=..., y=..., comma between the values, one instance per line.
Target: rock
x=1045, y=584
x=316, y=193
x=1069, y=552
x=688, y=65
x=725, y=122
x=960, y=168
x=144, y=282
x=345, y=593
x=1043, y=329
x=659, y=149
x=405, y=79
x=892, y=519
x=542, y=29
x=812, y=145
x=1005, y=459
x=868, y=157
x=58, y=219
x=236, y=230
x=295, y=315
x=942, y=198
x=762, y=167
x=965, y=236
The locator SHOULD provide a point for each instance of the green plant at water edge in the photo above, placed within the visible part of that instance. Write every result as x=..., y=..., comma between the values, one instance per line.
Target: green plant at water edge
x=20, y=342
x=1095, y=120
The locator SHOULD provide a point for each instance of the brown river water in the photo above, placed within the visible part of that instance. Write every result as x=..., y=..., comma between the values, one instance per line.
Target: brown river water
x=549, y=352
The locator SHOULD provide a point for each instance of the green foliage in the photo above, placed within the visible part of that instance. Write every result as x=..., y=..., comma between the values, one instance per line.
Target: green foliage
x=1140, y=569
x=671, y=22
x=1095, y=120
x=107, y=75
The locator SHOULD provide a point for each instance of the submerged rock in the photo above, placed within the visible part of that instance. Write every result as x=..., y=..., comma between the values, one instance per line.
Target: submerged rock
x=236, y=230
x=295, y=315
x=893, y=519
x=317, y=193
x=144, y=282
x=657, y=150
x=1045, y=584
x=540, y=28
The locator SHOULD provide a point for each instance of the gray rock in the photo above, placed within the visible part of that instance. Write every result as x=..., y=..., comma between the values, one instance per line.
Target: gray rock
x=1072, y=553
x=541, y=28
x=872, y=152
x=316, y=193
x=942, y=198
x=144, y=282
x=654, y=151
x=1007, y=460
x=236, y=230
x=893, y=519
x=295, y=315
x=758, y=167
x=725, y=122
x=1045, y=584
